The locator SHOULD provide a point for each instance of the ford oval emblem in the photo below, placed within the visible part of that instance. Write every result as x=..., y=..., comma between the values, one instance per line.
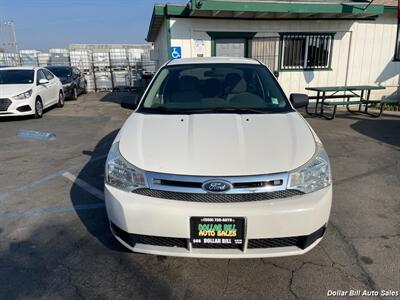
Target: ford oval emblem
x=216, y=186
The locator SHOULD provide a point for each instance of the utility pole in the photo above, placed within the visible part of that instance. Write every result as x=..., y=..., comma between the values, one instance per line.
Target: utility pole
x=8, y=39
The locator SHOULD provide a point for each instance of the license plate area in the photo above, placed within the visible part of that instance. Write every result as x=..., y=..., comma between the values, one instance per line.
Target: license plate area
x=217, y=232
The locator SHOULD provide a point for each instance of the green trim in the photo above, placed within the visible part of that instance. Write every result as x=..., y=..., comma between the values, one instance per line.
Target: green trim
x=161, y=11
x=213, y=48
x=230, y=35
x=396, y=56
x=281, y=34
x=168, y=31
x=307, y=33
x=306, y=70
x=279, y=7
x=176, y=10
x=390, y=10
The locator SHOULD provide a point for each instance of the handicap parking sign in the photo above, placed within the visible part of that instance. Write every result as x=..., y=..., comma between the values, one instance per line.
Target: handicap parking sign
x=176, y=52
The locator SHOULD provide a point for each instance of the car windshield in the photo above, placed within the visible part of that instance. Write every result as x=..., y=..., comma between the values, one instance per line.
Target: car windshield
x=214, y=88
x=61, y=72
x=16, y=76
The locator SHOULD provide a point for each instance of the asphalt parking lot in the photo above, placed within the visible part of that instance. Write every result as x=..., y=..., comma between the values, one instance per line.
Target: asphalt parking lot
x=55, y=242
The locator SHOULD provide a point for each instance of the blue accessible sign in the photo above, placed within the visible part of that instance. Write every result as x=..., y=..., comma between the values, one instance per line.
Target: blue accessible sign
x=176, y=52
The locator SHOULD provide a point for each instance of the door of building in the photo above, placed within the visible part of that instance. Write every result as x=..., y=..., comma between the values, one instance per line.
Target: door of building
x=231, y=47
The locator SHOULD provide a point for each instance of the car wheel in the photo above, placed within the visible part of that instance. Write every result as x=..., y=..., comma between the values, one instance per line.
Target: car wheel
x=60, y=102
x=74, y=94
x=38, y=109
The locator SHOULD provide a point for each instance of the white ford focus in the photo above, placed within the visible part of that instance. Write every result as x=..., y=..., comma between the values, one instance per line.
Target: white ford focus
x=28, y=91
x=215, y=162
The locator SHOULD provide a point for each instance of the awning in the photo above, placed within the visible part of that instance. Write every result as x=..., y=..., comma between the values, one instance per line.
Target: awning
x=265, y=10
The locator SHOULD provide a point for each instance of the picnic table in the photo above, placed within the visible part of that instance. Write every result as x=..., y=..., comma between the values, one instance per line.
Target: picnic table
x=347, y=93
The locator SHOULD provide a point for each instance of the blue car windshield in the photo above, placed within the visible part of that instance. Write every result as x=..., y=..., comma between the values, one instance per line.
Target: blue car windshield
x=16, y=76
x=215, y=88
x=61, y=72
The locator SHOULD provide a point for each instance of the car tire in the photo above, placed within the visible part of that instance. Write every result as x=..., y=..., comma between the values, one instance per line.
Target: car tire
x=74, y=94
x=38, y=109
x=60, y=102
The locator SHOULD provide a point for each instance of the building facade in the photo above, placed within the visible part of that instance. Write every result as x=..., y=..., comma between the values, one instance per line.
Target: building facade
x=306, y=44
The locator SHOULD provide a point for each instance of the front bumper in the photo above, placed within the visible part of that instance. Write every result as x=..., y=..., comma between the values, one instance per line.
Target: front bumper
x=68, y=90
x=10, y=107
x=281, y=227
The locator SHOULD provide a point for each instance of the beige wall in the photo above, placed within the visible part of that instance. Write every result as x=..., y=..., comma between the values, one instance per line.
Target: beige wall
x=160, y=45
x=362, y=50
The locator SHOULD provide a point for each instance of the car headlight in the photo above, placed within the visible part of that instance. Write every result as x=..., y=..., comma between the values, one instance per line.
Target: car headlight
x=23, y=96
x=121, y=174
x=313, y=175
x=67, y=85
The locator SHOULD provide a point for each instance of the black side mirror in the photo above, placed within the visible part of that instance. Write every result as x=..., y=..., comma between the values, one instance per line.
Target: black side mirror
x=299, y=100
x=130, y=103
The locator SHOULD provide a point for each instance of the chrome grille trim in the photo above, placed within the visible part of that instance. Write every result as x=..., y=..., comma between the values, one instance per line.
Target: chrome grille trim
x=192, y=184
x=217, y=197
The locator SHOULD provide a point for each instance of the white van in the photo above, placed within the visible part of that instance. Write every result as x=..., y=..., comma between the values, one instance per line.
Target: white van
x=216, y=162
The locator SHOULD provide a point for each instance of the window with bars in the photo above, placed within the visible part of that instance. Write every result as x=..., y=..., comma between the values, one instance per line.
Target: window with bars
x=397, y=51
x=306, y=51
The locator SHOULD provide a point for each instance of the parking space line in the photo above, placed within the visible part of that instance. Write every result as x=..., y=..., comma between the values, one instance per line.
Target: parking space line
x=84, y=185
x=50, y=210
x=47, y=178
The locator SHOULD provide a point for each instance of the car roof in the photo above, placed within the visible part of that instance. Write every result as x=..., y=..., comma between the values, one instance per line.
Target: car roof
x=20, y=68
x=213, y=60
x=59, y=67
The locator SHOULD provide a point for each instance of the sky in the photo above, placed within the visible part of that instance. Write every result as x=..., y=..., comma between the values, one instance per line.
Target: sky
x=43, y=24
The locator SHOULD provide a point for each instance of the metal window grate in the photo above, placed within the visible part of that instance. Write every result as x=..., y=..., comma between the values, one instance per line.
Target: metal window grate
x=306, y=51
x=264, y=49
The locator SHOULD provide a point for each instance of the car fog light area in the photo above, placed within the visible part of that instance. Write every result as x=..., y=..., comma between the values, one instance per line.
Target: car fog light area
x=314, y=175
x=121, y=174
x=23, y=96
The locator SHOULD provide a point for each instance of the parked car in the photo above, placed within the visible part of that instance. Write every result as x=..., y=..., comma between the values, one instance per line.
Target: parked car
x=28, y=91
x=216, y=162
x=73, y=81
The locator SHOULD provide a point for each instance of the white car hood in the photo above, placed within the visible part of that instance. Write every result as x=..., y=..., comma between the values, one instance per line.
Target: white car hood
x=216, y=144
x=10, y=90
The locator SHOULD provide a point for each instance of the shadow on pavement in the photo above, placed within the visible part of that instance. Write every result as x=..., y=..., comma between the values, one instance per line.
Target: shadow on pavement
x=384, y=130
x=119, y=97
x=95, y=220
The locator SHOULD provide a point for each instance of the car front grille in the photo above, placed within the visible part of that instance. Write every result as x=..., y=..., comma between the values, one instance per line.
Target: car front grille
x=272, y=243
x=4, y=104
x=217, y=198
x=301, y=242
x=133, y=239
